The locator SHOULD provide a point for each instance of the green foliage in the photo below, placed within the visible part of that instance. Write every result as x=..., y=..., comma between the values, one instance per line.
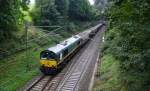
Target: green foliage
x=45, y=13
x=62, y=6
x=128, y=40
x=36, y=15
x=56, y=12
x=16, y=70
x=80, y=9
x=11, y=17
x=107, y=76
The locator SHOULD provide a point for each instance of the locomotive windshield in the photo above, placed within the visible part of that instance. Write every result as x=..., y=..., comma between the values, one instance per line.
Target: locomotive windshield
x=48, y=55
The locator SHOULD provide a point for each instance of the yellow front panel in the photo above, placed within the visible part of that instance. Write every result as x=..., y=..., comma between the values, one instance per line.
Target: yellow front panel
x=49, y=63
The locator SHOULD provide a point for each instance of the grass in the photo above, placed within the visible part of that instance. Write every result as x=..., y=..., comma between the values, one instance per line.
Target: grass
x=14, y=72
x=17, y=69
x=107, y=75
x=110, y=78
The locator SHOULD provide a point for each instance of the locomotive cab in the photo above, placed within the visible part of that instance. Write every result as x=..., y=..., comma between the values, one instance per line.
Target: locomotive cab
x=55, y=58
x=48, y=61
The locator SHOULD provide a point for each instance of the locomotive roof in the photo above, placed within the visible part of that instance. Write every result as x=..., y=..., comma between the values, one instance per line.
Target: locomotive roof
x=59, y=47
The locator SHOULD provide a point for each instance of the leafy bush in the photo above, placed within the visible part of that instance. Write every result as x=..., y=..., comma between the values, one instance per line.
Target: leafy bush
x=128, y=41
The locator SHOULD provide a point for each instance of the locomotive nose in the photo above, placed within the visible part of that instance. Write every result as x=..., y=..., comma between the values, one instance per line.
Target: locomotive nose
x=52, y=63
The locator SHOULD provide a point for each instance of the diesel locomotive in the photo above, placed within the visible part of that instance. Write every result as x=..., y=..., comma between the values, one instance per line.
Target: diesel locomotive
x=56, y=57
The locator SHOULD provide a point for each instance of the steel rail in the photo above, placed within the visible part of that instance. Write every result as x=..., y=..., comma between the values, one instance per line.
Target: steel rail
x=43, y=81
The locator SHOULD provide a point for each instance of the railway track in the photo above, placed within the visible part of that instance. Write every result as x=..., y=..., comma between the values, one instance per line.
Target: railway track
x=40, y=84
x=74, y=76
x=71, y=75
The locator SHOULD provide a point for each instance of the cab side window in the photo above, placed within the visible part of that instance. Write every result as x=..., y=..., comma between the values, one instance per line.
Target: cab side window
x=78, y=43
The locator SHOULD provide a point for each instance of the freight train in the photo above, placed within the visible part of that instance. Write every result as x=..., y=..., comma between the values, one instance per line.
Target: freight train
x=55, y=58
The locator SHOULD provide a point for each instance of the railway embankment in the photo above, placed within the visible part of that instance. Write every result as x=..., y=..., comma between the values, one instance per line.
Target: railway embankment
x=106, y=77
x=106, y=73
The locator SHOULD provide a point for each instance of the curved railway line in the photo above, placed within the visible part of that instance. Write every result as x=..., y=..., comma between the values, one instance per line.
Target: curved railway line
x=74, y=74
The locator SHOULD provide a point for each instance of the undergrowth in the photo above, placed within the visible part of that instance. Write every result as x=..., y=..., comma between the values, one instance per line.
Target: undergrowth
x=106, y=78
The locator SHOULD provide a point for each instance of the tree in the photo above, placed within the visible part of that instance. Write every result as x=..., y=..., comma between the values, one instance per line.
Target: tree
x=62, y=6
x=80, y=9
x=45, y=13
x=11, y=17
x=128, y=41
x=52, y=12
